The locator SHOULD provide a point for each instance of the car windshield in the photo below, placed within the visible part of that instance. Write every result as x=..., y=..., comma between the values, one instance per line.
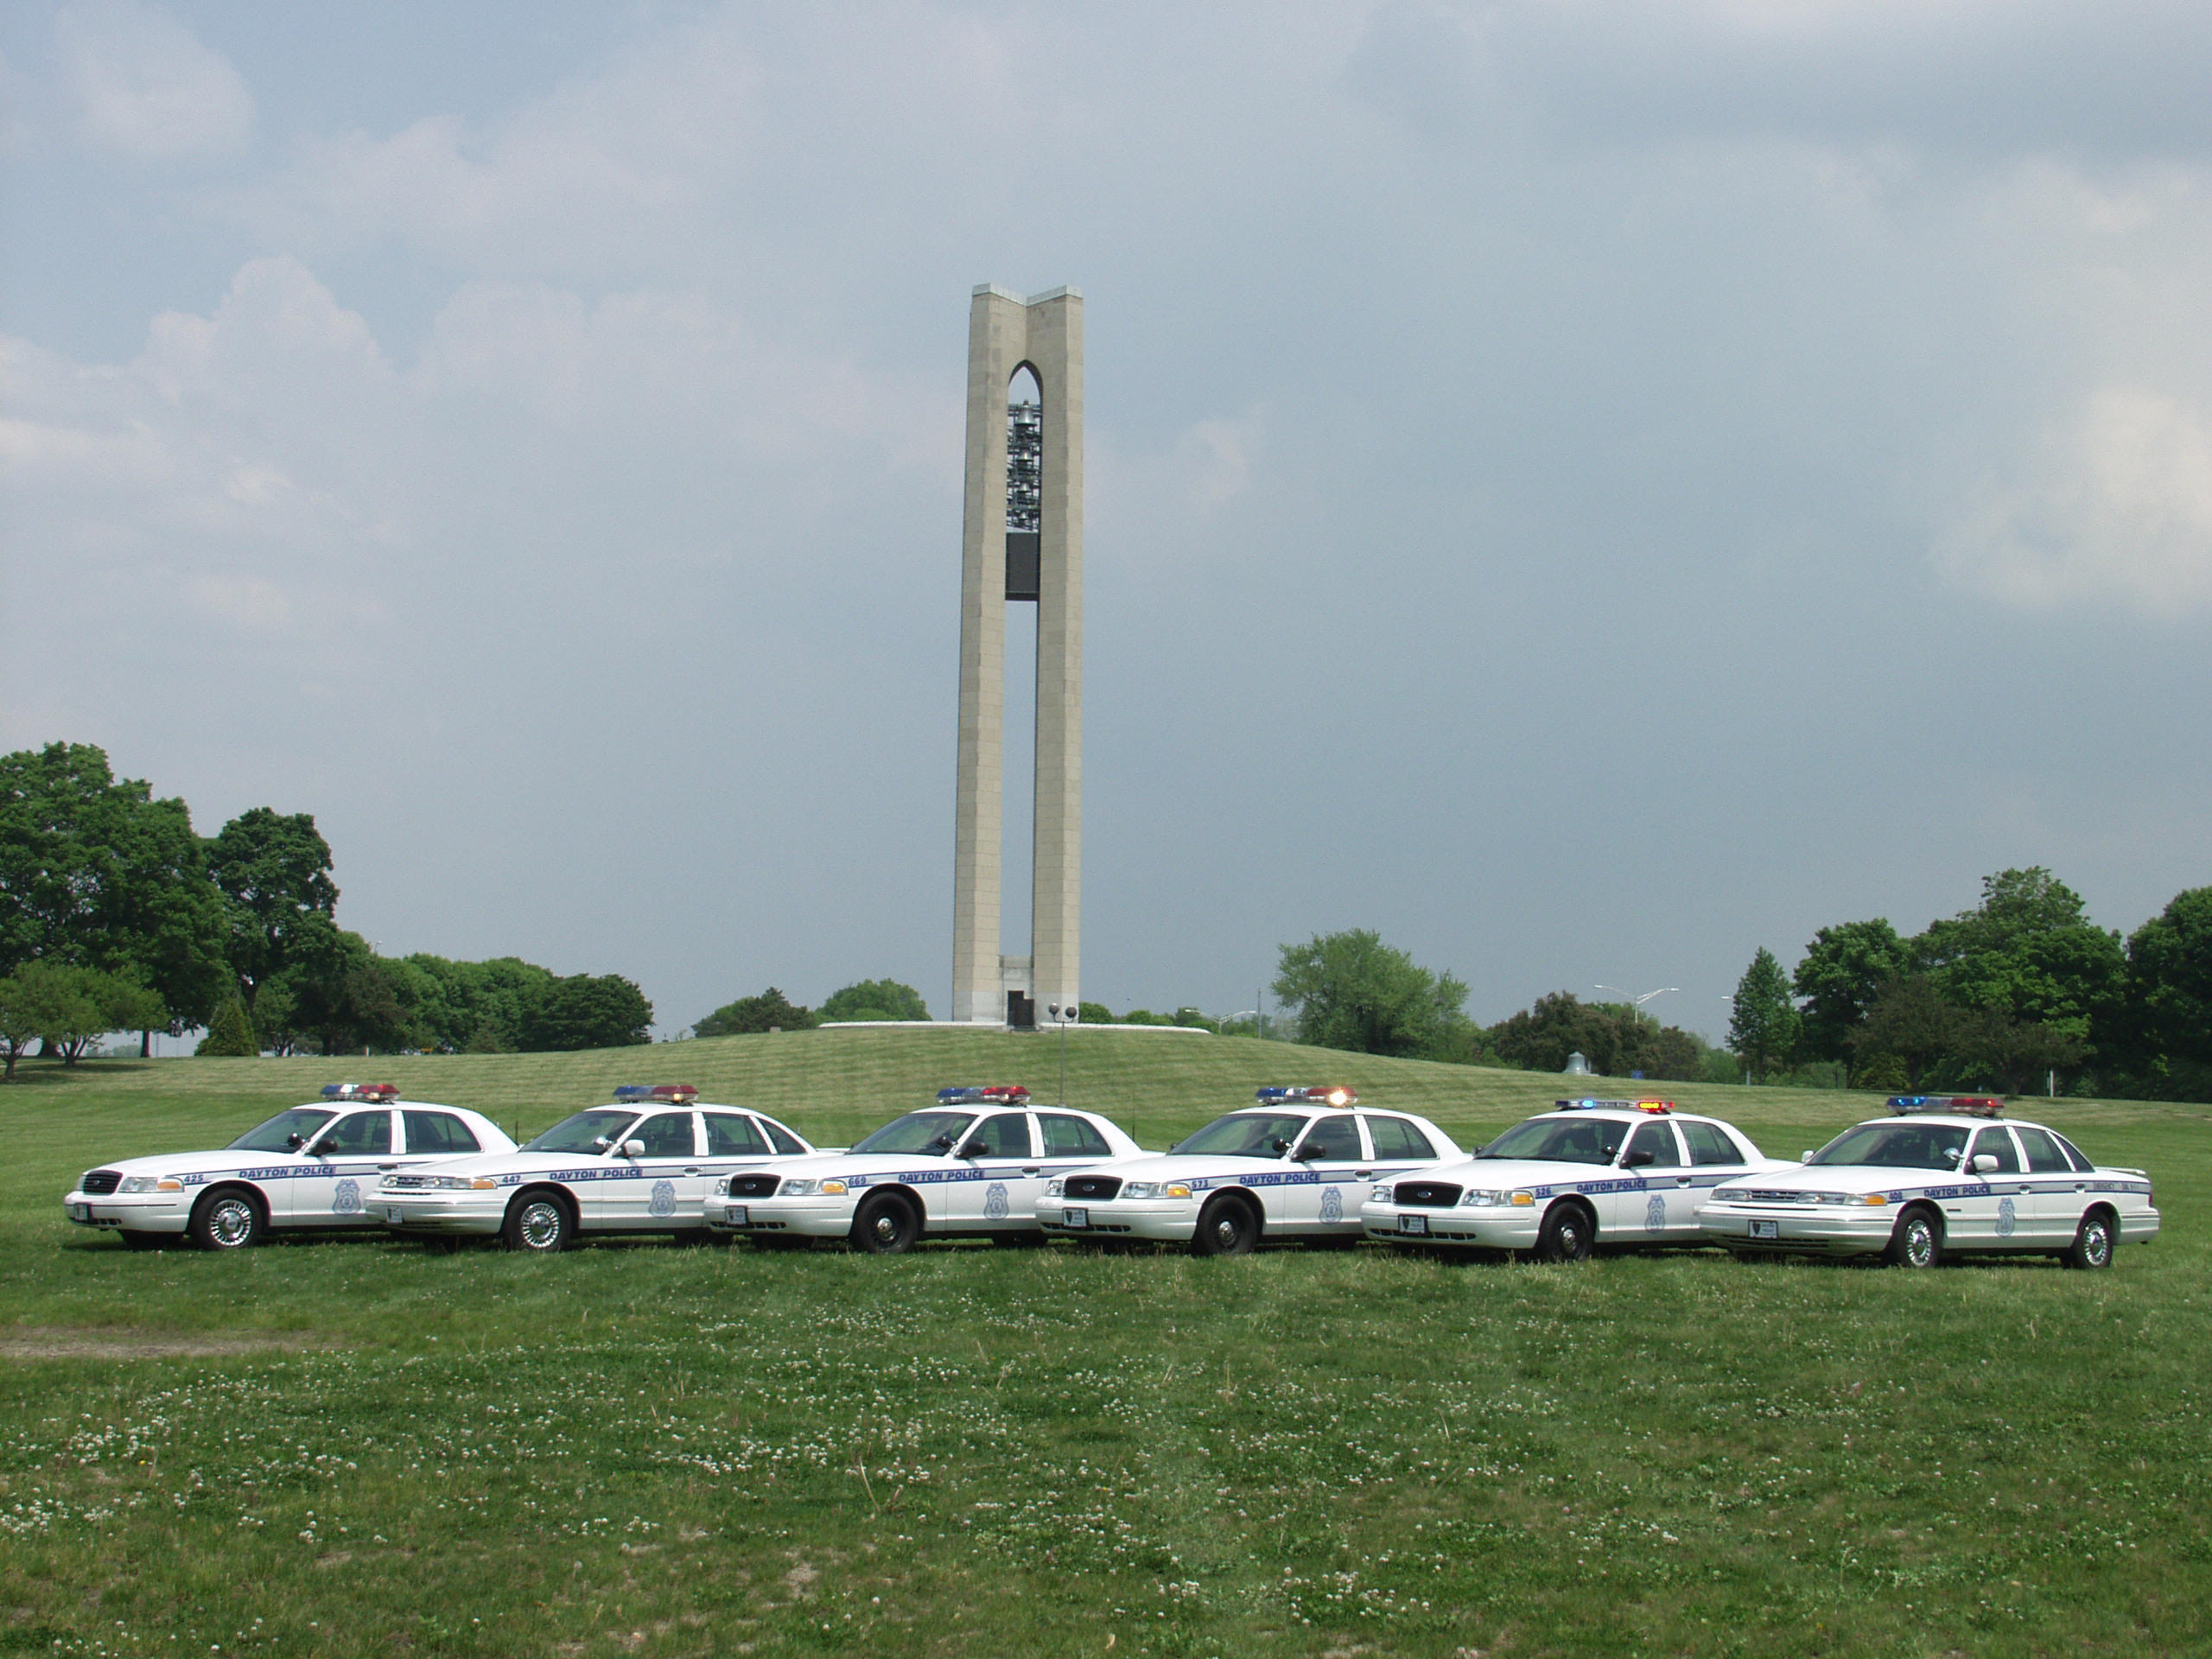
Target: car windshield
x=1896, y=1146
x=1561, y=1140
x=934, y=1133
x=593, y=1131
x=1245, y=1134
x=276, y=1135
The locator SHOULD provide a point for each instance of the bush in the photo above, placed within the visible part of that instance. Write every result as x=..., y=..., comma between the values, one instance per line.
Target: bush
x=771, y=1010
x=872, y=999
x=230, y=1035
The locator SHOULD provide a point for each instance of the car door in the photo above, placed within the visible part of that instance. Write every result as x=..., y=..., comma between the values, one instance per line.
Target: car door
x=432, y=1135
x=642, y=1190
x=734, y=1142
x=1001, y=1177
x=1330, y=1165
x=1652, y=1194
x=1070, y=1143
x=1399, y=1144
x=2057, y=1196
x=1996, y=1198
x=1715, y=1156
x=330, y=1185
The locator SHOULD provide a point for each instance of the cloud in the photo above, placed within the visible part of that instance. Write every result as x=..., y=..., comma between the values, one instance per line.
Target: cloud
x=145, y=87
x=2119, y=512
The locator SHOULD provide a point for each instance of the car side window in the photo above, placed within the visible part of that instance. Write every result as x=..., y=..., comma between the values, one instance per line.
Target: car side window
x=2082, y=1164
x=1006, y=1135
x=1071, y=1137
x=1998, y=1145
x=1332, y=1140
x=2044, y=1156
x=729, y=1136
x=1395, y=1138
x=359, y=1134
x=1709, y=1144
x=438, y=1132
x=666, y=1135
x=1658, y=1139
x=780, y=1138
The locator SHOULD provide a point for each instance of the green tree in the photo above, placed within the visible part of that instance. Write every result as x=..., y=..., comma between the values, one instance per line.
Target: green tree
x=1351, y=991
x=2027, y=951
x=1094, y=1014
x=38, y=1001
x=1542, y=1036
x=273, y=871
x=2163, y=1033
x=347, y=996
x=874, y=999
x=589, y=1011
x=770, y=1010
x=96, y=872
x=1842, y=971
x=1762, y=1028
x=1910, y=1024
x=231, y=1033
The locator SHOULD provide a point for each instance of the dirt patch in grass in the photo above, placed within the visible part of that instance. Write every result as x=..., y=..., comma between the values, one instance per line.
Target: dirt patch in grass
x=51, y=1342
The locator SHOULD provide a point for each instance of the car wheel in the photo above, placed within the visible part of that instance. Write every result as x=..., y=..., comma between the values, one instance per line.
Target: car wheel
x=1226, y=1227
x=887, y=1226
x=538, y=1222
x=229, y=1218
x=2093, y=1242
x=1917, y=1242
x=1567, y=1235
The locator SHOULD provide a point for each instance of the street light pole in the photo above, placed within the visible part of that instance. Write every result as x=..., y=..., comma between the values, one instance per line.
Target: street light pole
x=1064, y=1015
x=1636, y=1003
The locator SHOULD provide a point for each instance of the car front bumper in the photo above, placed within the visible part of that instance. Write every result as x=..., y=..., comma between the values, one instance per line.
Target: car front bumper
x=136, y=1212
x=1491, y=1228
x=1835, y=1230
x=808, y=1218
x=1163, y=1220
x=439, y=1212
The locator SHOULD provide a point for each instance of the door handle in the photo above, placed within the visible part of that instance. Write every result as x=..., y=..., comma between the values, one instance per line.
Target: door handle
x=1681, y=1181
x=1030, y=1169
x=692, y=1171
x=1363, y=1174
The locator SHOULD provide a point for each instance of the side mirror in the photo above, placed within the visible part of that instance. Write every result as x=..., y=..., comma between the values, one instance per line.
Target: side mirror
x=971, y=1149
x=1640, y=1158
x=1805, y=1157
x=295, y=1142
x=1985, y=1163
x=634, y=1148
x=601, y=1143
x=1280, y=1145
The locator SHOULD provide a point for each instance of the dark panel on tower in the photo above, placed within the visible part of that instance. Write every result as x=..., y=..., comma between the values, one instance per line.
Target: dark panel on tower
x=1024, y=496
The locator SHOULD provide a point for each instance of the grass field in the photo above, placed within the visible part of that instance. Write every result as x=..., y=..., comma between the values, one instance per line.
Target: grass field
x=352, y=1446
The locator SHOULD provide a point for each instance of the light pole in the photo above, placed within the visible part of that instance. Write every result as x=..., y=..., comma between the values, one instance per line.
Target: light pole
x=1064, y=1015
x=1636, y=1003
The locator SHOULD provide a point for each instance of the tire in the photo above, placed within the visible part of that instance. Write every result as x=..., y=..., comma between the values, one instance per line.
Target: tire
x=539, y=1223
x=886, y=1225
x=1226, y=1227
x=2093, y=1242
x=1918, y=1240
x=1568, y=1232
x=229, y=1218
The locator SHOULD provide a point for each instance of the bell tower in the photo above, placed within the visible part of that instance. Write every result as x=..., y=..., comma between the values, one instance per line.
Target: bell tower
x=1021, y=544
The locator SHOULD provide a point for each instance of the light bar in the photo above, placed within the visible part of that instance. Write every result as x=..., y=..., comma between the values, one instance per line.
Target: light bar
x=1339, y=1095
x=1013, y=1093
x=1588, y=1105
x=646, y=1093
x=377, y=1091
x=1955, y=1105
x=961, y=1095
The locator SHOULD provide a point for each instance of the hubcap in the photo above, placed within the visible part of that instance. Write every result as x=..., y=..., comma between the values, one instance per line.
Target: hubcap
x=887, y=1228
x=232, y=1222
x=2097, y=1245
x=1920, y=1243
x=541, y=1226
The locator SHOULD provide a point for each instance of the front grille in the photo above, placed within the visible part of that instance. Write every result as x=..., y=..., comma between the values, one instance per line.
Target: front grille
x=1093, y=1186
x=1769, y=1198
x=754, y=1186
x=1425, y=1195
x=409, y=1181
x=102, y=1180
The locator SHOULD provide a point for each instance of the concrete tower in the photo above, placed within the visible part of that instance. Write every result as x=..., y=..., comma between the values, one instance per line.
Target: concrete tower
x=1022, y=541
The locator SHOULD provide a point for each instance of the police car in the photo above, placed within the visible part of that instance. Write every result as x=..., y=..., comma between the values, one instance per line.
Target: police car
x=1293, y=1169
x=643, y=1165
x=952, y=1171
x=1940, y=1176
x=1586, y=1172
x=312, y=1168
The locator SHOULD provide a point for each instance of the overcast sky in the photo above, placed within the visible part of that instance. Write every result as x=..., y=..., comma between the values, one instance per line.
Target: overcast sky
x=1586, y=489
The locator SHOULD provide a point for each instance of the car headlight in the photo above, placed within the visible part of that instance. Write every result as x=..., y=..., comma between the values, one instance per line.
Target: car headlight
x=466, y=1183
x=1056, y=1188
x=795, y=1187
x=151, y=1184
x=1381, y=1192
x=1480, y=1197
x=1876, y=1198
x=1156, y=1189
x=831, y=1188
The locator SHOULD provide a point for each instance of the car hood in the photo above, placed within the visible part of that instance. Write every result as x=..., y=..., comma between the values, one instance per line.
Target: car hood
x=1503, y=1174
x=224, y=1159
x=1843, y=1178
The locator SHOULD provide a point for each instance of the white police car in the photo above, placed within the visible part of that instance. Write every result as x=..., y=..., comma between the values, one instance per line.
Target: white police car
x=1293, y=1169
x=1586, y=1172
x=1940, y=1176
x=949, y=1172
x=312, y=1168
x=644, y=1164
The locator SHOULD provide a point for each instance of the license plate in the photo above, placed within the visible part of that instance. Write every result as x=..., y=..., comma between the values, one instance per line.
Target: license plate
x=733, y=1214
x=1413, y=1223
x=1076, y=1217
x=80, y=1212
x=392, y=1213
x=1766, y=1230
